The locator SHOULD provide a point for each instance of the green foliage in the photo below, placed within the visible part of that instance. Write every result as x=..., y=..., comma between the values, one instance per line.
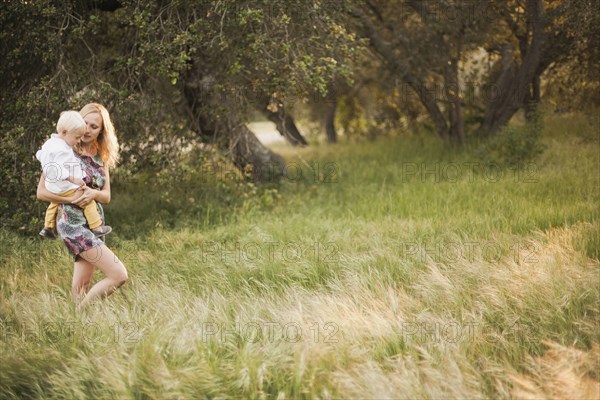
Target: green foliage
x=197, y=189
x=143, y=59
x=29, y=39
x=18, y=174
x=513, y=147
x=375, y=109
x=138, y=61
x=34, y=89
x=574, y=83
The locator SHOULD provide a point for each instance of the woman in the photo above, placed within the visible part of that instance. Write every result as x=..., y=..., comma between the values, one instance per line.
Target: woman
x=97, y=151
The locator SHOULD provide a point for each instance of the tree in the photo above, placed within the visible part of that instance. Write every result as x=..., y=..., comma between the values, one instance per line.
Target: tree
x=573, y=79
x=30, y=90
x=173, y=73
x=518, y=84
x=422, y=51
x=226, y=57
x=425, y=45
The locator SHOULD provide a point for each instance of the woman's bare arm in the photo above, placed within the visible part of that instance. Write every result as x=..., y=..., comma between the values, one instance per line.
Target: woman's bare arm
x=101, y=196
x=46, y=195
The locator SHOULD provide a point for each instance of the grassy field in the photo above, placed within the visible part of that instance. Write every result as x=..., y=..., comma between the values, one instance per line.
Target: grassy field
x=397, y=268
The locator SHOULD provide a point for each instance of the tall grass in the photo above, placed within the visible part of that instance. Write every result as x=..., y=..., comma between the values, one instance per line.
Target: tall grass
x=388, y=269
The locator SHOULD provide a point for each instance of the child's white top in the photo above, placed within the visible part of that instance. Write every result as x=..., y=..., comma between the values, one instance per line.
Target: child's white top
x=58, y=163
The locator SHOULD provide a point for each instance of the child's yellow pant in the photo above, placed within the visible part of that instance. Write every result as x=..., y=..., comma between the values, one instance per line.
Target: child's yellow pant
x=90, y=211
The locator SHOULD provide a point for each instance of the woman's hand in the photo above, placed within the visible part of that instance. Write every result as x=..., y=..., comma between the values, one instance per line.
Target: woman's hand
x=72, y=199
x=86, y=197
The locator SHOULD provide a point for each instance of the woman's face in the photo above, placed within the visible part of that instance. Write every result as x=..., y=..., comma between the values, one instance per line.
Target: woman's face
x=94, y=127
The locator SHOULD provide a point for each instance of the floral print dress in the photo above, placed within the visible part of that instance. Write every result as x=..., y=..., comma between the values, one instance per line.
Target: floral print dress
x=71, y=223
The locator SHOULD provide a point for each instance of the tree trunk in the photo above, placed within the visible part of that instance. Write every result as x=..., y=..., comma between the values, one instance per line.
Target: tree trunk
x=453, y=96
x=284, y=123
x=513, y=86
x=428, y=100
x=427, y=97
x=251, y=156
x=330, y=131
x=533, y=100
x=246, y=152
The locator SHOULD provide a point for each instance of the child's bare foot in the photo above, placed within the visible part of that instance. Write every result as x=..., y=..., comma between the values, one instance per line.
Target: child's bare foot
x=102, y=230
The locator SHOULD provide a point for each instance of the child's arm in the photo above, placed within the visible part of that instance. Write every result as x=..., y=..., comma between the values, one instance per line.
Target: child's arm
x=46, y=195
x=76, y=181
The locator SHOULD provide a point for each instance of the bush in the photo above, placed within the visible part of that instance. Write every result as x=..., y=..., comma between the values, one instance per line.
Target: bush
x=19, y=174
x=513, y=146
x=200, y=188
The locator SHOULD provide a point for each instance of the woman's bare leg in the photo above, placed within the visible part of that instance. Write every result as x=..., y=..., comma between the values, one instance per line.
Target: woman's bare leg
x=105, y=260
x=82, y=276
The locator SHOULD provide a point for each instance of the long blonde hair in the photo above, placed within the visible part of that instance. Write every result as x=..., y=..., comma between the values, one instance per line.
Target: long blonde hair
x=107, y=143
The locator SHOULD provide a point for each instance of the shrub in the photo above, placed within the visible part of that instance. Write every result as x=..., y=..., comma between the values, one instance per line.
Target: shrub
x=513, y=146
x=19, y=174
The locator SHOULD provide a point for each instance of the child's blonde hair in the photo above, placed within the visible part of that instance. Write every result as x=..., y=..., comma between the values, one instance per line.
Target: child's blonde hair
x=70, y=121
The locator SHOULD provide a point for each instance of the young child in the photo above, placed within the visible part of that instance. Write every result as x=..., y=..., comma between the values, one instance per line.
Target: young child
x=64, y=174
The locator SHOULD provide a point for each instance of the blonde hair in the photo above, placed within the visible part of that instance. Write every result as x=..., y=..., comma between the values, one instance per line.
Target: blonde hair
x=107, y=143
x=70, y=121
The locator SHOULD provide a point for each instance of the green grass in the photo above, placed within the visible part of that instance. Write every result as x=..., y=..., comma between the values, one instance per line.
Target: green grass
x=397, y=268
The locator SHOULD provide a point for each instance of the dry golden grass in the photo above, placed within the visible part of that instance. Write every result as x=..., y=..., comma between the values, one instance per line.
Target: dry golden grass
x=561, y=373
